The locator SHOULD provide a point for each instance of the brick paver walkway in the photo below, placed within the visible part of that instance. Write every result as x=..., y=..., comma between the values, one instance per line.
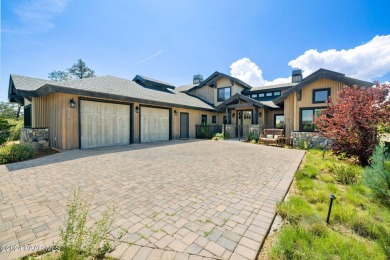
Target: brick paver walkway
x=176, y=200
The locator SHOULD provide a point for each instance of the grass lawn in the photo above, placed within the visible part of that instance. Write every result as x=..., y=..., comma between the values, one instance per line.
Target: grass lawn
x=359, y=226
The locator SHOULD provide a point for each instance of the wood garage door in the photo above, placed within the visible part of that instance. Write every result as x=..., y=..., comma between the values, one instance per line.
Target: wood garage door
x=104, y=124
x=154, y=124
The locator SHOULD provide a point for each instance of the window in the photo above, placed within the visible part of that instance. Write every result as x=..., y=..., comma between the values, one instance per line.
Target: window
x=254, y=95
x=268, y=94
x=223, y=94
x=307, y=119
x=204, y=119
x=321, y=95
x=277, y=93
x=279, y=121
x=214, y=119
x=261, y=95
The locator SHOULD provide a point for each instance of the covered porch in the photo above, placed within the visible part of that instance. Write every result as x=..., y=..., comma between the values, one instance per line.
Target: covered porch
x=244, y=115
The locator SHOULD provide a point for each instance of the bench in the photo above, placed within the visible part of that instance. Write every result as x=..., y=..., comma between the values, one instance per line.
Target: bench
x=271, y=136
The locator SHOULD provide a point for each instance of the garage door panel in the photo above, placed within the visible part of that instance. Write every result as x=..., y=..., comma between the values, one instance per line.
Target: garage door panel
x=154, y=124
x=104, y=124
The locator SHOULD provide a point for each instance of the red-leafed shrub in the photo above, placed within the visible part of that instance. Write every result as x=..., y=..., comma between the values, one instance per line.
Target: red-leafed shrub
x=352, y=123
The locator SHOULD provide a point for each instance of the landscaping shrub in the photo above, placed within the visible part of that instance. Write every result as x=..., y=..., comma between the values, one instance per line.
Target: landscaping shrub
x=345, y=174
x=251, y=136
x=377, y=175
x=204, y=131
x=4, y=130
x=16, y=153
x=15, y=129
x=79, y=241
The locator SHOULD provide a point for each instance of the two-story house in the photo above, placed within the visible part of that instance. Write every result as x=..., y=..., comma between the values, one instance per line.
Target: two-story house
x=107, y=111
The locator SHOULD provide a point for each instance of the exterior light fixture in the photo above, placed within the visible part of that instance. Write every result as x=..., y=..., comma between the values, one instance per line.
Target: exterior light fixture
x=137, y=109
x=175, y=112
x=260, y=114
x=234, y=114
x=72, y=104
x=331, y=197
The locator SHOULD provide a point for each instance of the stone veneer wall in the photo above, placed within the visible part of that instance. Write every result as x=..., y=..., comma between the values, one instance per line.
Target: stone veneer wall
x=312, y=139
x=37, y=137
x=232, y=129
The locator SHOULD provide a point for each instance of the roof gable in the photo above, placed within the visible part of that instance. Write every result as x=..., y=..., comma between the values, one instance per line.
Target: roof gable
x=319, y=74
x=213, y=78
x=250, y=101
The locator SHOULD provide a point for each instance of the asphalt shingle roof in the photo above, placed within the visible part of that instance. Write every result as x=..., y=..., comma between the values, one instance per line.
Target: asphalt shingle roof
x=108, y=85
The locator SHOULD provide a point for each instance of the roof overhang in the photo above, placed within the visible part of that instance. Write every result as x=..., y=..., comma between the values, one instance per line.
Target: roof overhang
x=319, y=74
x=231, y=103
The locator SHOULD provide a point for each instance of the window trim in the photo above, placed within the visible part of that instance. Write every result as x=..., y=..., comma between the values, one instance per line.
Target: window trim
x=317, y=90
x=201, y=118
x=284, y=123
x=300, y=117
x=219, y=98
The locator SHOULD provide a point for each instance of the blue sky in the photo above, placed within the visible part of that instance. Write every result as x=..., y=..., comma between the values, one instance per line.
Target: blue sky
x=257, y=41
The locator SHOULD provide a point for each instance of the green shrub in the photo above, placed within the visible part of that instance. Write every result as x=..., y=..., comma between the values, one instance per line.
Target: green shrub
x=16, y=153
x=219, y=136
x=377, y=175
x=4, y=130
x=79, y=241
x=345, y=174
x=15, y=129
x=204, y=131
x=215, y=138
x=252, y=136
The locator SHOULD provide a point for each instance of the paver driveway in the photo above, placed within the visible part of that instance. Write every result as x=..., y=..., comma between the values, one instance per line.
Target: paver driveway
x=176, y=200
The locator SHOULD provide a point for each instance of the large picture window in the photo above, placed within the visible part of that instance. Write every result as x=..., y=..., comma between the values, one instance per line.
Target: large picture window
x=321, y=95
x=224, y=94
x=307, y=116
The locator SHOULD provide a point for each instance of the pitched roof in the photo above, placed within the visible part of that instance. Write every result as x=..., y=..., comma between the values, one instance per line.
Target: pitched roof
x=251, y=101
x=276, y=86
x=107, y=87
x=184, y=88
x=323, y=73
x=153, y=82
x=216, y=76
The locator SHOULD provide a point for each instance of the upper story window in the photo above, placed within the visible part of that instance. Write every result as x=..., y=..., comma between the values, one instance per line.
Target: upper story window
x=261, y=95
x=268, y=94
x=224, y=94
x=276, y=93
x=254, y=95
x=321, y=95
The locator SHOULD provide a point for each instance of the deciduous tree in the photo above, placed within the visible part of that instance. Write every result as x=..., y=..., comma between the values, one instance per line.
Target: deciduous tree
x=352, y=123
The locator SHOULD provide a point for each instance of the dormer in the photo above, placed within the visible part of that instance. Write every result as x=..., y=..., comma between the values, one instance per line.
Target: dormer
x=152, y=83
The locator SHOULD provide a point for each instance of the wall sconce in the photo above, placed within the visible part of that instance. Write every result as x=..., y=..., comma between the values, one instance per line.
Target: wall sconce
x=72, y=104
x=175, y=112
x=260, y=114
x=137, y=109
x=234, y=114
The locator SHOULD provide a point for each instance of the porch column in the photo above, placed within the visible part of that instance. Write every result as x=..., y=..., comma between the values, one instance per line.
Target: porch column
x=227, y=116
x=255, y=116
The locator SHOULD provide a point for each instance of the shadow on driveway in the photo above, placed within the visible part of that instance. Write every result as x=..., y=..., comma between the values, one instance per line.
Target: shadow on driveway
x=69, y=155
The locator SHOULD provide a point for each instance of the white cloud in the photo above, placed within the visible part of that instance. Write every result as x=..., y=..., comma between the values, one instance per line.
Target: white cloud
x=36, y=16
x=367, y=61
x=247, y=71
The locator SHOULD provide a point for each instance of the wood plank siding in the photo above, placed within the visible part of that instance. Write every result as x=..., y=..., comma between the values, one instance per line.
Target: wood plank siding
x=53, y=111
x=292, y=106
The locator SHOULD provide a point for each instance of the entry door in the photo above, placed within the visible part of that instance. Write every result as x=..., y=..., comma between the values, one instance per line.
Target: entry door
x=244, y=120
x=184, y=126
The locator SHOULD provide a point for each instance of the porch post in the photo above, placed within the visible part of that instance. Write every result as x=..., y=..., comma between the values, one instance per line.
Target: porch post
x=255, y=116
x=227, y=116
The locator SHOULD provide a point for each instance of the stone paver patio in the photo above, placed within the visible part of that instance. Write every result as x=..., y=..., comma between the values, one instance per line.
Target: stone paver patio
x=175, y=200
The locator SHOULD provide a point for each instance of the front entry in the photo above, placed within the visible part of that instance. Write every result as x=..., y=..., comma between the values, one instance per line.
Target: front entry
x=244, y=120
x=184, y=126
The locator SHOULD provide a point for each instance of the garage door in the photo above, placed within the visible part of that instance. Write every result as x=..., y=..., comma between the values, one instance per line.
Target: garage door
x=154, y=124
x=104, y=124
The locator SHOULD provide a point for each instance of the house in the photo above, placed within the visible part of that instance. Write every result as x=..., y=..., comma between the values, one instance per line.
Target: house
x=107, y=111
